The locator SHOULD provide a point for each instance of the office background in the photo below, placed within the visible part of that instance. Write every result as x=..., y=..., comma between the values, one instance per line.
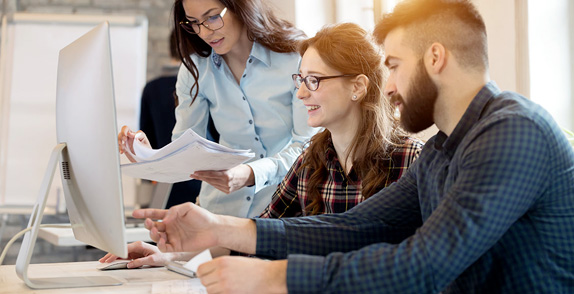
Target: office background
x=530, y=44
x=530, y=41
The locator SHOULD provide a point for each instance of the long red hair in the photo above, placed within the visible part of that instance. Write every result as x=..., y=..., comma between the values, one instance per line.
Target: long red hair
x=350, y=49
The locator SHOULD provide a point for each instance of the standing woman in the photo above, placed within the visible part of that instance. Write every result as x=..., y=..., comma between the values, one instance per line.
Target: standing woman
x=237, y=61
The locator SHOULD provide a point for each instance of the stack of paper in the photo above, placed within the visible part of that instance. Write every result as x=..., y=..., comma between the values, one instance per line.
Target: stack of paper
x=182, y=157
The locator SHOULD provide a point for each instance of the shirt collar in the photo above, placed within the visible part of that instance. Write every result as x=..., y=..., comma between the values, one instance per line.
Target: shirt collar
x=258, y=52
x=468, y=120
x=216, y=58
x=261, y=53
x=331, y=158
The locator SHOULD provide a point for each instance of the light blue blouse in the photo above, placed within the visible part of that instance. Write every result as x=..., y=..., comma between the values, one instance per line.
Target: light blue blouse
x=260, y=113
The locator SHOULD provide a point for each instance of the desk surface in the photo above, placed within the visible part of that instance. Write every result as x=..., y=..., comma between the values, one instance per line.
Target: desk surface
x=145, y=280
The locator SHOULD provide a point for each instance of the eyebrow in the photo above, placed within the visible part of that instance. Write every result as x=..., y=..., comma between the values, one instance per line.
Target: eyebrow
x=312, y=72
x=207, y=13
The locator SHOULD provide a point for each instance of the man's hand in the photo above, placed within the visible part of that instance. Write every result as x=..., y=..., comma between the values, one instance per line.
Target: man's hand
x=230, y=274
x=227, y=181
x=185, y=227
x=188, y=228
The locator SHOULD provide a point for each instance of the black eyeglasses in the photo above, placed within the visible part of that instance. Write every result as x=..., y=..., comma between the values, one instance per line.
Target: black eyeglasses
x=212, y=23
x=312, y=82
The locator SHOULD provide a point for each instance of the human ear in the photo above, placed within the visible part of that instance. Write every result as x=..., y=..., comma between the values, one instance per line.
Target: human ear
x=436, y=58
x=360, y=86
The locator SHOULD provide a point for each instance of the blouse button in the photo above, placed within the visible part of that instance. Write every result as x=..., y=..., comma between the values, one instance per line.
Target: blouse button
x=261, y=156
x=250, y=121
x=250, y=60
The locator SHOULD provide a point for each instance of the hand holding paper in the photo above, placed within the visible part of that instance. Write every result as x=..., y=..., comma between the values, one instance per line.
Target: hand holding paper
x=182, y=157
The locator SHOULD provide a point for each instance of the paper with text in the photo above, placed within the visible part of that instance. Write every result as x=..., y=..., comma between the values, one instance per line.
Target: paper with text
x=176, y=161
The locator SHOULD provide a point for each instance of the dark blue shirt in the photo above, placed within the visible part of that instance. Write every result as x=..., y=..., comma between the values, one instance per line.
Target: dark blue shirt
x=488, y=209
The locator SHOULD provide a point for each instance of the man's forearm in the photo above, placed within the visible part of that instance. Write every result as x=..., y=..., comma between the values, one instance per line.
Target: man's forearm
x=238, y=234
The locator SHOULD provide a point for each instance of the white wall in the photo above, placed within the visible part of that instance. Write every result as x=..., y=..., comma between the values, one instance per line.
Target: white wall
x=499, y=16
x=357, y=11
x=311, y=15
x=30, y=48
x=285, y=9
x=550, y=58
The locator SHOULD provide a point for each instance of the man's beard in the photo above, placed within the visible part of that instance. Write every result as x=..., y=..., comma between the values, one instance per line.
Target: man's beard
x=417, y=114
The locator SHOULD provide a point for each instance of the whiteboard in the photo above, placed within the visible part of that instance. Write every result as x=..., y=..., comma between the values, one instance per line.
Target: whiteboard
x=29, y=51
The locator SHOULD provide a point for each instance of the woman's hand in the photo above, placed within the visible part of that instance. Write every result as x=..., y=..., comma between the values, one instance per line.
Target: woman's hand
x=141, y=254
x=227, y=181
x=126, y=139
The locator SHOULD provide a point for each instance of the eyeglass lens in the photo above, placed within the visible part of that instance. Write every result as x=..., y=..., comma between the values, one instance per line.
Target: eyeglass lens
x=311, y=82
x=212, y=23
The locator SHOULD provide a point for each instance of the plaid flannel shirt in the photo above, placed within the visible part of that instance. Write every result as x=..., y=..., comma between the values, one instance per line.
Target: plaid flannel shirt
x=340, y=192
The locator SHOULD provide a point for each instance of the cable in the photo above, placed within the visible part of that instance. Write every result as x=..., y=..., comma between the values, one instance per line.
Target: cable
x=19, y=234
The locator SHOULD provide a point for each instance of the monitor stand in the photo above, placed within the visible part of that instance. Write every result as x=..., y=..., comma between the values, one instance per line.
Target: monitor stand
x=27, y=248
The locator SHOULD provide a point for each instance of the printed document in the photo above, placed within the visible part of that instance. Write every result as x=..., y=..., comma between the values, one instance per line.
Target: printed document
x=176, y=161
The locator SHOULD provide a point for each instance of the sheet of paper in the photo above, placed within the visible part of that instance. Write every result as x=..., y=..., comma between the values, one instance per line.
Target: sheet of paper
x=182, y=157
x=189, y=286
x=197, y=260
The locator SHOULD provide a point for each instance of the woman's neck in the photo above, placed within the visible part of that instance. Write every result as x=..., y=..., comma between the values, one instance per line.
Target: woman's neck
x=237, y=57
x=342, y=138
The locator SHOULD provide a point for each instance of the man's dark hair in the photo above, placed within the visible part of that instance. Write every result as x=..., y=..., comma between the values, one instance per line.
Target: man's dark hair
x=456, y=24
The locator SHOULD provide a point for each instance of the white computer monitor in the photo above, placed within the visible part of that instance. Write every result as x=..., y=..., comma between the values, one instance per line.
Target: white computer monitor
x=88, y=155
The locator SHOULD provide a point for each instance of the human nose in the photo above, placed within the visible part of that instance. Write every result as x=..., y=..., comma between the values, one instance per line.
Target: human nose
x=204, y=32
x=390, y=88
x=303, y=92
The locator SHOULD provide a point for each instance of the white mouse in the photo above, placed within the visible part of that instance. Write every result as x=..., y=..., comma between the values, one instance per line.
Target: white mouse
x=115, y=266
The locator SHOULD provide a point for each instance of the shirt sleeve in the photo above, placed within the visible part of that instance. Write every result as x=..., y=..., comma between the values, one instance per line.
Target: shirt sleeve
x=271, y=170
x=285, y=201
x=188, y=115
x=498, y=180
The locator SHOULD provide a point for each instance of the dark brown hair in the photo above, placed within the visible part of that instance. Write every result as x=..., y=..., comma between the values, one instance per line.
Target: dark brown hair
x=456, y=24
x=262, y=26
x=349, y=49
x=173, y=45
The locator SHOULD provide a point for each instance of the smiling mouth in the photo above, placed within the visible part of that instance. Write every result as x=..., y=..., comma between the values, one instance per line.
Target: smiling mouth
x=310, y=108
x=216, y=41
